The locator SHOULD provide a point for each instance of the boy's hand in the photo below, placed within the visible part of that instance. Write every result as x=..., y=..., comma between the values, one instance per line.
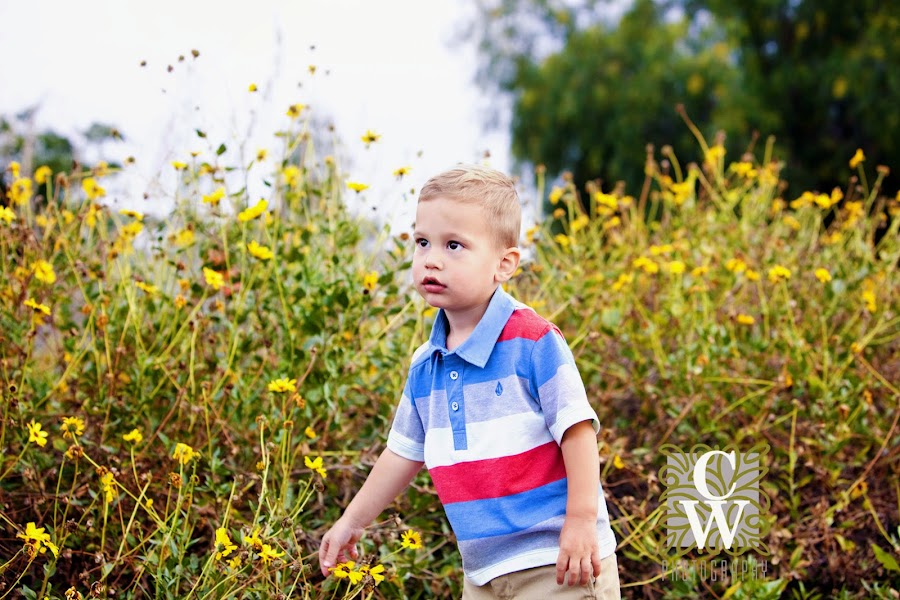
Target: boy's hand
x=339, y=545
x=579, y=554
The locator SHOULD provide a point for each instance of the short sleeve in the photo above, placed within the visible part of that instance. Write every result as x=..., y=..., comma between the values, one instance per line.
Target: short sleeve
x=558, y=385
x=407, y=435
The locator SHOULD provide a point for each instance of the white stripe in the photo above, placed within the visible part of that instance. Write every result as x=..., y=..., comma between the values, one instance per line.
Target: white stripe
x=504, y=436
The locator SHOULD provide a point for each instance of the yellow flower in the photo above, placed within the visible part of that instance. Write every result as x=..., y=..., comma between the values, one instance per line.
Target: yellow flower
x=647, y=265
x=92, y=189
x=102, y=169
x=857, y=158
x=149, y=289
x=343, y=570
x=132, y=213
x=310, y=433
x=36, y=435
x=676, y=267
x=714, y=154
x=357, y=187
x=131, y=230
x=134, y=436
x=291, y=174
x=579, y=223
x=752, y=275
x=315, y=465
x=375, y=572
x=235, y=561
x=745, y=319
x=556, y=195
x=42, y=174
x=623, y=280
x=370, y=137
x=179, y=165
x=253, y=212
x=261, y=154
x=43, y=271
x=823, y=275
x=294, y=110
x=214, y=279
x=72, y=427
x=222, y=539
x=370, y=280
x=699, y=271
x=258, y=251
x=184, y=453
x=267, y=553
x=7, y=214
x=735, y=265
x=108, y=486
x=185, y=238
x=743, y=169
x=36, y=536
x=36, y=307
x=559, y=213
x=868, y=297
x=180, y=301
x=618, y=462
x=411, y=539
x=778, y=273
x=214, y=197
x=252, y=88
x=791, y=222
x=283, y=385
x=253, y=540
x=399, y=173
x=14, y=168
x=20, y=192
x=657, y=250
x=562, y=240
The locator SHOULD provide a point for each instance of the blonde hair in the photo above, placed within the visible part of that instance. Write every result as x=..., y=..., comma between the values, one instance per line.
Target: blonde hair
x=489, y=188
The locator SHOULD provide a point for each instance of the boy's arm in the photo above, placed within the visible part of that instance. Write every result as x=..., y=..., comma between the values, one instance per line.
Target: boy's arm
x=579, y=552
x=390, y=476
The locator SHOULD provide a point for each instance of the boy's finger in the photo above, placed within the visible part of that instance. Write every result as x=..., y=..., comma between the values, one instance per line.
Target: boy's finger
x=562, y=565
x=584, y=574
x=595, y=562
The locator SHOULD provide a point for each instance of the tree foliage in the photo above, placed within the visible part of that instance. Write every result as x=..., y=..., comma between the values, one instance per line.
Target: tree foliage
x=589, y=89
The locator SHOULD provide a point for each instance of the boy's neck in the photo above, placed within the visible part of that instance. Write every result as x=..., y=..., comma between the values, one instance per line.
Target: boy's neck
x=461, y=324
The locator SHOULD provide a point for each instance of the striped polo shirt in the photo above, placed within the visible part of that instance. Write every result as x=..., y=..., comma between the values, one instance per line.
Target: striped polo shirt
x=487, y=419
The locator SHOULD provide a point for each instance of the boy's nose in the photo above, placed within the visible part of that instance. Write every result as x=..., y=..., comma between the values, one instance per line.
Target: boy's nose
x=432, y=261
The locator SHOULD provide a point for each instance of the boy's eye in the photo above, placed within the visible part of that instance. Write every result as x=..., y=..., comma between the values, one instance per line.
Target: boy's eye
x=422, y=242
x=454, y=245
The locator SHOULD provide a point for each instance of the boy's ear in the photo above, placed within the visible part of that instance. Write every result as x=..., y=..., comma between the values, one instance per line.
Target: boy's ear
x=509, y=262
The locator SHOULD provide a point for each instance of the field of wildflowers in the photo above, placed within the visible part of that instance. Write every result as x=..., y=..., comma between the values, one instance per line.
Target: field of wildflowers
x=188, y=402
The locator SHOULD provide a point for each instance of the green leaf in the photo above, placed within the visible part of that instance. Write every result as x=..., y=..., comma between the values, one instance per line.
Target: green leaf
x=886, y=559
x=200, y=133
x=221, y=150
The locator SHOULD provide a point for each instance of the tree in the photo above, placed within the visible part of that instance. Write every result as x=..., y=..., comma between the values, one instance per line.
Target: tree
x=593, y=106
x=588, y=91
x=821, y=75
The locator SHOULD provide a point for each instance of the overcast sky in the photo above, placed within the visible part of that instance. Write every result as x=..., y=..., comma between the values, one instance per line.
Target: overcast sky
x=391, y=68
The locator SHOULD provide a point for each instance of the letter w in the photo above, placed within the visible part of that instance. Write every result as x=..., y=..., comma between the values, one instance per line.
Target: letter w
x=701, y=532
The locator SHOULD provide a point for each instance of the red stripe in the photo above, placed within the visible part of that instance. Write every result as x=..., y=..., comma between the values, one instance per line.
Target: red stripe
x=525, y=323
x=497, y=477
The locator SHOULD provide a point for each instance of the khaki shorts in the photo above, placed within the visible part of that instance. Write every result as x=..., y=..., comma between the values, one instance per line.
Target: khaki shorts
x=540, y=583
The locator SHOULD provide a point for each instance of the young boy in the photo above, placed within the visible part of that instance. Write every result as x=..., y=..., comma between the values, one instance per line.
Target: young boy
x=495, y=408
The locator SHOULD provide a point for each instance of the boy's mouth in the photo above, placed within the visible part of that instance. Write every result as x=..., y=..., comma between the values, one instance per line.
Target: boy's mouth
x=432, y=285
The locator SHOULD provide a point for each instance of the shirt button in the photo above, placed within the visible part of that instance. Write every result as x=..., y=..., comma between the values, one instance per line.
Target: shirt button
x=454, y=405
x=453, y=376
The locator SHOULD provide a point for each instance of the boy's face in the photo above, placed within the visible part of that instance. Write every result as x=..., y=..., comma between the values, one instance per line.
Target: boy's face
x=457, y=264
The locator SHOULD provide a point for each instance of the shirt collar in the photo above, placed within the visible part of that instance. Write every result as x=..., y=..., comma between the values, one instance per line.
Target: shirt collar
x=478, y=346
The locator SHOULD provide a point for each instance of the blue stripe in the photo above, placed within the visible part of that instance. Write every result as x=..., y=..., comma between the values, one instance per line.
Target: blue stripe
x=550, y=353
x=510, y=514
x=511, y=357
